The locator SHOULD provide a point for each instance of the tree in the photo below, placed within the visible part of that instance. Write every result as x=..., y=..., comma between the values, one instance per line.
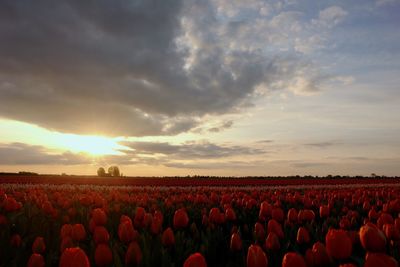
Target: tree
x=101, y=172
x=113, y=171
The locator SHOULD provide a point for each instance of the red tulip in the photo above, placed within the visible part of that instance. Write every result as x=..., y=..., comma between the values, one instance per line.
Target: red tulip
x=181, y=219
x=379, y=260
x=256, y=257
x=66, y=242
x=344, y=223
x=148, y=219
x=139, y=217
x=306, y=215
x=391, y=232
x=303, y=237
x=292, y=259
x=125, y=218
x=38, y=245
x=278, y=214
x=397, y=223
x=125, y=231
x=372, y=239
x=103, y=255
x=156, y=226
x=274, y=226
x=78, y=232
x=168, y=238
x=338, y=244
x=292, y=215
x=373, y=214
x=265, y=211
x=36, y=260
x=99, y=217
x=101, y=235
x=195, y=260
x=272, y=242
x=259, y=232
x=384, y=218
x=133, y=255
x=230, y=214
x=324, y=211
x=15, y=240
x=320, y=255
x=236, y=242
x=309, y=258
x=66, y=230
x=159, y=216
x=10, y=204
x=3, y=219
x=74, y=257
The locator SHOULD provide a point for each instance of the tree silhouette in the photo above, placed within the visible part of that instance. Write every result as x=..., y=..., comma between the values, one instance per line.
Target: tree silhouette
x=101, y=172
x=113, y=171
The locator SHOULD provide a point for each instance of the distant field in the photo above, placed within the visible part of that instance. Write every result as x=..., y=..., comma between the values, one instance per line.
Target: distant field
x=190, y=181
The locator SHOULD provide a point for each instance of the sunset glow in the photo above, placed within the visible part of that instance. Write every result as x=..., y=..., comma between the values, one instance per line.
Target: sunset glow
x=208, y=87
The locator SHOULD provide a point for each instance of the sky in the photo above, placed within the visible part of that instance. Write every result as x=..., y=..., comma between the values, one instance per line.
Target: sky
x=218, y=87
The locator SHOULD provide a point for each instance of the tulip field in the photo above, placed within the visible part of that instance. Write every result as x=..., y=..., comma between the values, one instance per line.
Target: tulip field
x=230, y=223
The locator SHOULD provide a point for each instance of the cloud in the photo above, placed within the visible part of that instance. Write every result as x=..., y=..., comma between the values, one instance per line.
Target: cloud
x=190, y=150
x=24, y=154
x=139, y=68
x=322, y=144
x=331, y=16
x=225, y=125
x=385, y=2
x=215, y=165
x=147, y=153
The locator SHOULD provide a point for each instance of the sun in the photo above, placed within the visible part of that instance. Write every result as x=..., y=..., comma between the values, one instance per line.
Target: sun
x=93, y=145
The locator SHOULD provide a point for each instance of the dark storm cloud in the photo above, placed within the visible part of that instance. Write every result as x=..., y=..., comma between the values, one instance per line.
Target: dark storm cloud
x=130, y=68
x=24, y=154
